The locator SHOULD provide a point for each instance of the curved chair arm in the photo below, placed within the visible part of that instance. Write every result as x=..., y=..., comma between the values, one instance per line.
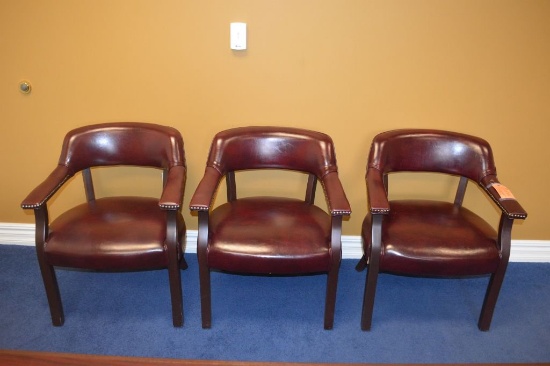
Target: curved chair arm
x=503, y=197
x=204, y=194
x=42, y=193
x=172, y=193
x=338, y=204
x=376, y=191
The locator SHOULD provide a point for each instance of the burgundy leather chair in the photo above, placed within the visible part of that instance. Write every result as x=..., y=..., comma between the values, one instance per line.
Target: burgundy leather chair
x=270, y=235
x=114, y=233
x=432, y=238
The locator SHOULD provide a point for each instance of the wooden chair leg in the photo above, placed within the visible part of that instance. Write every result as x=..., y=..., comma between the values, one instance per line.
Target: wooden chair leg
x=495, y=283
x=183, y=263
x=330, y=301
x=206, y=303
x=368, y=298
x=176, y=294
x=490, y=301
x=47, y=270
x=52, y=293
x=372, y=273
x=362, y=264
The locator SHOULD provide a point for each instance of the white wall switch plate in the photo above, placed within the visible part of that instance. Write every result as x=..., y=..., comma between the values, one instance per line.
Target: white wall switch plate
x=238, y=36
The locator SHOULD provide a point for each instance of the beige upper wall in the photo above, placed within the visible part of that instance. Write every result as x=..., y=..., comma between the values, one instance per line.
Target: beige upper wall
x=348, y=68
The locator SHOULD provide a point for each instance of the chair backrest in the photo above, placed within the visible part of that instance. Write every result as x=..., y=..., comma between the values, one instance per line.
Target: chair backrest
x=122, y=143
x=432, y=151
x=247, y=148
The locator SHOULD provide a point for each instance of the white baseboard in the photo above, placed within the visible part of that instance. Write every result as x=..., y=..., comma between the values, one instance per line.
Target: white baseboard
x=522, y=250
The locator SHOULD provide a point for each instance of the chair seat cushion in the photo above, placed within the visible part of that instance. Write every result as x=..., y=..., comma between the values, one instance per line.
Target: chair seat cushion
x=267, y=235
x=434, y=239
x=111, y=233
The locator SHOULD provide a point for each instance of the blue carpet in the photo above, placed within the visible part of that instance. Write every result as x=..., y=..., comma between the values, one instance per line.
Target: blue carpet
x=416, y=320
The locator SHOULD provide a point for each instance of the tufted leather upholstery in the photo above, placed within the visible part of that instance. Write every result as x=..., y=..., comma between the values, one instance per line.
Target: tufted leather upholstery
x=430, y=238
x=114, y=233
x=270, y=235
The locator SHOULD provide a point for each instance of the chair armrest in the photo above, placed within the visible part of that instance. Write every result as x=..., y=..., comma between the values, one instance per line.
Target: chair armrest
x=376, y=192
x=338, y=204
x=503, y=197
x=204, y=194
x=42, y=193
x=172, y=193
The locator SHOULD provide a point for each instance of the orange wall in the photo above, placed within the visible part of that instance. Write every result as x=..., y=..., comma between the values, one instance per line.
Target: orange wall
x=349, y=68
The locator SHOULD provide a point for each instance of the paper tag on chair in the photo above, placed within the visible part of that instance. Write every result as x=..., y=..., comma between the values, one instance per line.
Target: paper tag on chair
x=503, y=191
